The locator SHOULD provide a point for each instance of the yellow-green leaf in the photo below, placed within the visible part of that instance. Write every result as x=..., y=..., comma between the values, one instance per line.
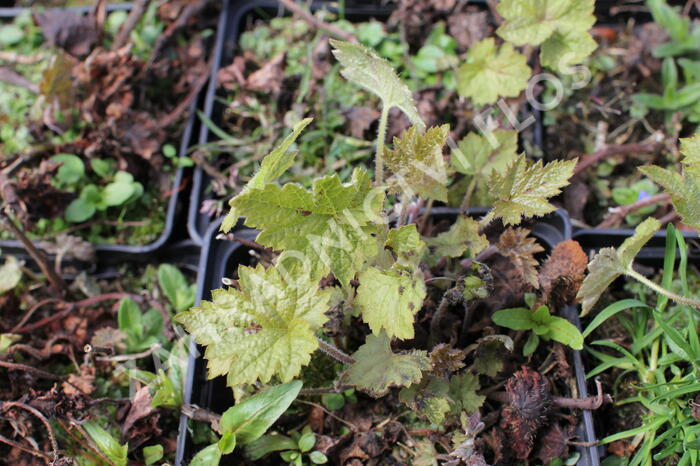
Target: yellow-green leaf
x=377, y=368
x=389, y=300
x=273, y=166
x=366, y=69
x=491, y=72
x=265, y=329
x=463, y=235
x=327, y=229
x=609, y=264
x=418, y=164
x=522, y=191
x=10, y=274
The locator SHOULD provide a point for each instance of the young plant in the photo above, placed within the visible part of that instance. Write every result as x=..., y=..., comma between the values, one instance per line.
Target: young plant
x=292, y=448
x=543, y=325
x=246, y=422
x=270, y=324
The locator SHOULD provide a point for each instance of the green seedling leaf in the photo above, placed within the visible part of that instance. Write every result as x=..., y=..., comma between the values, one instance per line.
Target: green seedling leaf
x=173, y=283
x=418, y=164
x=130, y=321
x=10, y=274
x=122, y=189
x=462, y=236
x=102, y=167
x=107, y=444
x=522, y=191
x=72, y=168
x=267, y=444
x=317, y=457
x=559, y=26
x=250, y=419
x=609, y=264
x=378, y=369
x=273, y=166
x=208, y=456
x=79, y=210
x=684, y=188
x=330, y=227
x=565, y=332
x=429, y=399
x=306, y=441
x=363, y=67
x=518, y=318
x=266, y=328
x=11, y=34
x=463, y=393
x=389, y=300
x=491, y=72
x=152, y=454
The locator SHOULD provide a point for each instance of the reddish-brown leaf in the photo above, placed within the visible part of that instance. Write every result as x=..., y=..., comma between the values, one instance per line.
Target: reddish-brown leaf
x=520, y=249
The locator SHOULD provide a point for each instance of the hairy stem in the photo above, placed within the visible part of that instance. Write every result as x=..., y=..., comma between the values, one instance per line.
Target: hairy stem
x=486, y=220
x=334, y=352
x=468, y=194
x=659, y=289
x=381, y=137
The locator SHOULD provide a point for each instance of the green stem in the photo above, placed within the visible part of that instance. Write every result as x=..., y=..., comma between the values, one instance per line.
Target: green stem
x=468, y=194
x=669, y=294
x=381, y=137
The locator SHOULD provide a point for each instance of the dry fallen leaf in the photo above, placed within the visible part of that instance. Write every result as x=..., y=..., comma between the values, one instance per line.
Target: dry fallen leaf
x=516, y=246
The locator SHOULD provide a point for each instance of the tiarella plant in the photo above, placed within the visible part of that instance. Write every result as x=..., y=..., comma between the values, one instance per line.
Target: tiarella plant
x=358, y=246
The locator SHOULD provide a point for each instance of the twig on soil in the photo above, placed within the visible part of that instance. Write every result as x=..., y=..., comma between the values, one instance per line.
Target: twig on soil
x=4, y=406
x=19, y=446
x=15, y=57
x=617, y=214
x=32, y=310
x=129, y=357
x=173, y=116
x=137, y=11
x=77, y=305
x=587, y=161
x=55, y=280
x=324, y=390
x=32, y=370
x=588, y=403
x=315, y=22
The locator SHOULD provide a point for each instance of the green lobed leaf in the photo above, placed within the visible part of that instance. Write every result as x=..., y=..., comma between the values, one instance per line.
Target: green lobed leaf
x=272, y=167
x=418, y=164
x=389, y=300
x=378, y=369
x=560, y=26
x=683, y=188
x=463, y=392
x=366, y=69
x=405, y=239
x=534, y=21
x=251, y=418
x=491, y=72
x=522, y=191
x=329, y=229
x=479, y=155
x=265, y=329
x=566, y=48
x=609, y=264
x=463, y=235
x=428, y=399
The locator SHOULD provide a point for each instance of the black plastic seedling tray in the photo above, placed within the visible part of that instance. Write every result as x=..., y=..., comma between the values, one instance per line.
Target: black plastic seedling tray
x=116, y=253
x=220, y=258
